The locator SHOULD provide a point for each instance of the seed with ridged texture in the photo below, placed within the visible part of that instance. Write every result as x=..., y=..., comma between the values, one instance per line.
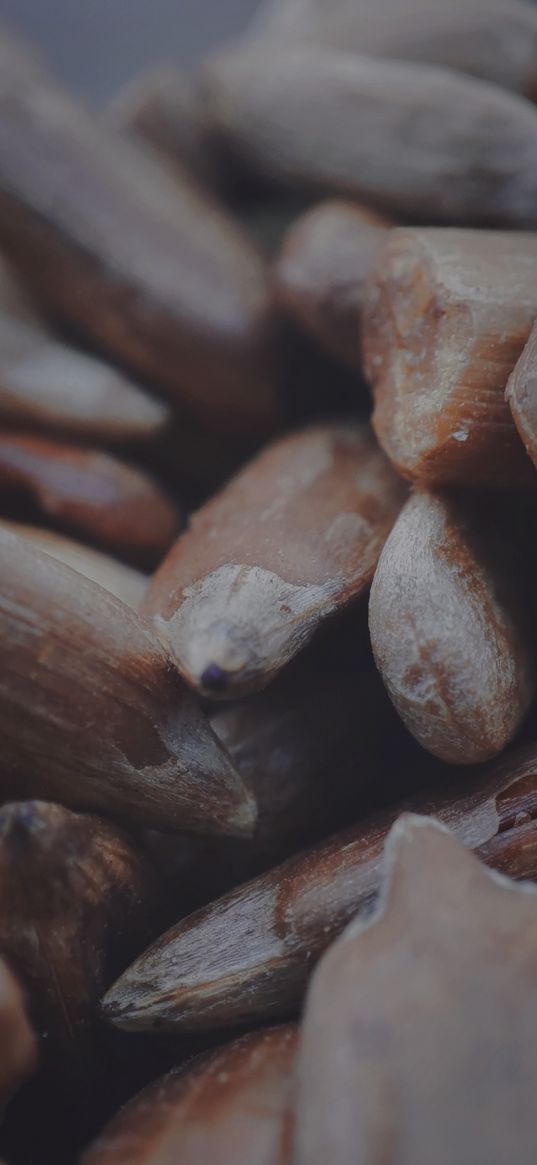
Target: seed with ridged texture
x=450, y=628
x=92, y=711
x=293, y=539
x=419, y=1039
x=417, y=141
x=137, y=259
x=447, y=315
x=247, y=957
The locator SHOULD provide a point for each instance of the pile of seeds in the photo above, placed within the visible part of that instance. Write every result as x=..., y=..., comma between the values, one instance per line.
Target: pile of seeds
x=267, y=653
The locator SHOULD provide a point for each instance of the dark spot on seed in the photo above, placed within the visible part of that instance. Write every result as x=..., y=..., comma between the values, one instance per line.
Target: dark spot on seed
x=214, y=678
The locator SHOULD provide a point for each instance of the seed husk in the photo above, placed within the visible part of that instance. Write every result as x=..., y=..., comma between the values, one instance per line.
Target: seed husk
x=415, y=141
x=416, y=1018
x=247, y=957
x=447, y=315
x=92, y=711
x=87, y=493
x=45, y=384
x=290, y=541
x=231, y=1105
x=141, y=262
x=450, y=624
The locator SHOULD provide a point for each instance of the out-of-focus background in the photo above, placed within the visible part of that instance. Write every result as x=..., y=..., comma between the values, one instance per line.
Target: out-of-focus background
x=98, y=45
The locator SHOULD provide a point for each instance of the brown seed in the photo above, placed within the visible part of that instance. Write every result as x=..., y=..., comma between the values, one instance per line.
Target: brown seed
x=18, y=1053
x=247, y=957
x=89, y=493
x=493, y=39
x=419, y=142
x=450, y=628
x=92, y=711
x=419, y=1040
x=309, y=748
x=312, y=748
x=232, y=1105
x=163, y=107
x=47, y=385
x=447, y=316
x=76, y=901
x=291, y=540
x=137, y=259
x=321, y=272
x=121, y=580
x=521, y=395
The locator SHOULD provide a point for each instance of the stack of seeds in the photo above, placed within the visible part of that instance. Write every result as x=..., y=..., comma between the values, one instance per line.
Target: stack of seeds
x=279, y=768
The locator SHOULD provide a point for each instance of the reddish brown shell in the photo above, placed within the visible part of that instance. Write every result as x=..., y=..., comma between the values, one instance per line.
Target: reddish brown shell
x=122, y=581
x=450, y=628
x=446, y=318
x=231, y=1106
x=291, y=540
x=89, y=493
x=92, y=711
x=47, y=385
x=247, y=957
x=137, y=259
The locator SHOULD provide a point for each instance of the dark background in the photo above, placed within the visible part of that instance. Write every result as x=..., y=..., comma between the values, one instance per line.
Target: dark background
x=98, y=45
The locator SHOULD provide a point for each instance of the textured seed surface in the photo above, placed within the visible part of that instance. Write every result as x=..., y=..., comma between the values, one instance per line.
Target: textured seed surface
x=292, y=539
x=447, y=315
x=92, y=712
x=419, y=1040
x=449, y=628
x=89, y=493
x=121, y=580
x=248, y=956
x=139, y=260
x=417, y=141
